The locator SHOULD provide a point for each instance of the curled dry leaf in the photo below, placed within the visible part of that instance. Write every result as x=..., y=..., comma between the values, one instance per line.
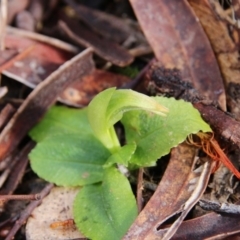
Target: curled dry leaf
x=179, y=41
x=53, y=219
x=179, y=190
x=41, y=98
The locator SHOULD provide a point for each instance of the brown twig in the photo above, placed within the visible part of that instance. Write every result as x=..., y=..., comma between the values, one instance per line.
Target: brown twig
x=6, y=113
x=5, y=174
x=9, y=220
x=27, y=212
x=16, y=169
x=5, y=163
x=45, y=39
x=29, y=197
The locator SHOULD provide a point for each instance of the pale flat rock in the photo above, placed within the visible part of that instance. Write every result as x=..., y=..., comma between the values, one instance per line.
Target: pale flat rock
x=56, y=209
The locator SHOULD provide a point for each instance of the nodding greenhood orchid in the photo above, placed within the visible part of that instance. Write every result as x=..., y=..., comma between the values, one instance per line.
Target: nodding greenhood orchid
x=107, y=108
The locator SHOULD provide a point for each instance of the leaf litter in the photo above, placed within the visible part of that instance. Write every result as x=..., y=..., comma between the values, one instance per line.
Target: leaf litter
x=190, y=46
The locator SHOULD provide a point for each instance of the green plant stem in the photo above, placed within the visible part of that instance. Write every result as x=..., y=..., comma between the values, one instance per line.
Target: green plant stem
x=115, y=142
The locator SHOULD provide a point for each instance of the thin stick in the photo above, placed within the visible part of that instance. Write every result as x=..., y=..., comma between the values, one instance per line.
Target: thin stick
x=219, y=207
x=42, y=38
x=18, y=57
x=17, y=167
x=6, y=114
x=20, y=197
x=4, y=177
x=11, y=161
x=27, y=212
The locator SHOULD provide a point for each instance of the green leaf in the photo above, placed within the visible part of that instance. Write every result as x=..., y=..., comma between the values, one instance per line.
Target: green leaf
x=108, y=107
x=155, y=135
x=127, y=100
x=105, y=211
x=61, y=120
x=97, y=110
x=69, y=159
x=122, y=156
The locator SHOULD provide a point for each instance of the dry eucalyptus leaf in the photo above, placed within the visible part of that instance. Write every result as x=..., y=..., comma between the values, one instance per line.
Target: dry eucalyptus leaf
x=179, y=190
x=41, y=98
x=220, y=34
x=47, y=220
x=178, y=41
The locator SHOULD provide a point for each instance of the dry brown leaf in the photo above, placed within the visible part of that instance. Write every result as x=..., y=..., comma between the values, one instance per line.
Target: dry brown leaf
x=221, y=123
x=55, y=208
x=179, y=41
x=41, y=98
x=38, y=64
x=210, y=226
x=109, y=26
x=25, y=214
x=80, y=93
x=225, y=49
x=104, y=48
x=179, y=190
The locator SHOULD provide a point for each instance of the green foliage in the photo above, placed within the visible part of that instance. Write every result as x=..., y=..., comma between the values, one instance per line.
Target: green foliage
x=104, y=211
x=61, y=120
x=108, y=107
x=155, y=135
x=81, y=148
x=64, y=159
x=122, y=156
